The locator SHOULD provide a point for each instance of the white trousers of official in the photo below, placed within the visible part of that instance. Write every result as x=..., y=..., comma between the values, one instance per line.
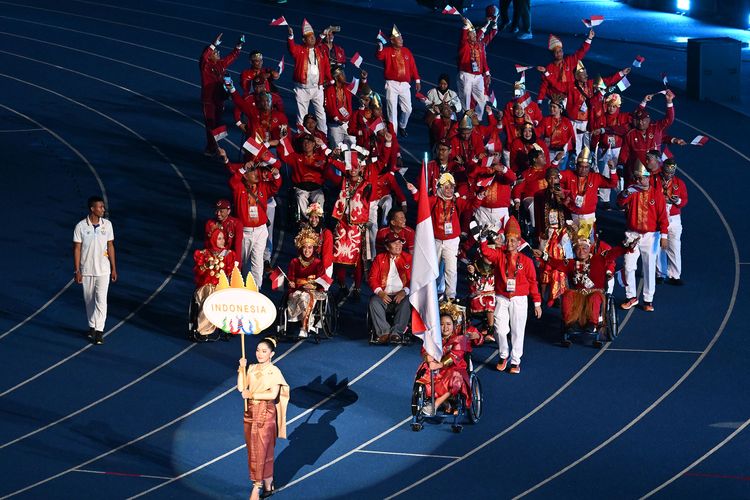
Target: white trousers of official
x=271, y=214
x=669, y=264
x=305, y=198
x=648, y=250
x=304, y=97
x=609, y=154
x=491, y=216
x=583, y=137
x=95, y=297
x=510, y=317
x=447, y=250
x=398, y=96
x=339, y=133
x=470, y=85
x=385, y=204
x=253, y=246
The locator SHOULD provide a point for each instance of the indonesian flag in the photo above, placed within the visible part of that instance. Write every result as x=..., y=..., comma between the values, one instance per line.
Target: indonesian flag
x=277, y=278
x=353, y=86
x=638, y=61
x=699, y=140
x=281, y=65
x=421, y=97
x=622, y=278
x=521, y=69
x=219, y=133
x=286, y=143
x=487, y=162
x=451, y=11
x=324, y=281
x=664, y=79
x=356, y=59
x=425, y=315
x=281, y=21
x=524, y=104
x=381, y=38
x=486, y=181
x=377, y=125
x=259, y=150
x=623, y=84
x=493, y=100
x=351, y=159
x=594, y=21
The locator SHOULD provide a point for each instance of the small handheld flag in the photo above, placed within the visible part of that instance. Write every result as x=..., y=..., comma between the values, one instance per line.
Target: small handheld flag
x=277, y=278
x=324, y=281
x=451, y=11
x=623, y=84
x=421, y=97
x=356, y=59
x=521, y=69
x=219, y=133
x=493, y=99
x=700, y=140
x=353, y=87
x=381, y=38
x=281, y=65
x=377, y=125
x=594, y=21
x=281, y=21
x=638, y=61
x=664, y=79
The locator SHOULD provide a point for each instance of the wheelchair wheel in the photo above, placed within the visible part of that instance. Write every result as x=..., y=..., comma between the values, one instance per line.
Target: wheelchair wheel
x=330, y=317
x=612, y=322
x=418, y=399
x=192, y=319
x=282, y=324
x=475, y=410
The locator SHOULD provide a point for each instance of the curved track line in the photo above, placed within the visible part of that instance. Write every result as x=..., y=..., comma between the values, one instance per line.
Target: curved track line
x=172, y=273
x=689, y=371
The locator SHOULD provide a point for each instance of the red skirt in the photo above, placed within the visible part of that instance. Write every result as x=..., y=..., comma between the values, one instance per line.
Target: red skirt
x=347, y=243
x=260, y=438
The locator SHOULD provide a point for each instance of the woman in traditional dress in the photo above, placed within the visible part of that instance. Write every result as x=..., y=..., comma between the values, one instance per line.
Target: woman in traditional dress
x=304, y=290
x=267, y=395
x=324, y=249
x=209, y=262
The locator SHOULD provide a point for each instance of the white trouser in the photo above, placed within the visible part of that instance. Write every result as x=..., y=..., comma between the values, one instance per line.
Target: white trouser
x=304, y=97
x=385, y=204
x=305, y=198
x=583, y=137
x=95, y=297
x=578, y=218
x=669, y=264
x=510, y=316
x=253, y=246
x=339, y=133
x=609, y=154
x=447, y=250
x=271, y=214
x=528, y=204
x=470, y=85
x=491, y=216
x=648, y=250
x=398, y=93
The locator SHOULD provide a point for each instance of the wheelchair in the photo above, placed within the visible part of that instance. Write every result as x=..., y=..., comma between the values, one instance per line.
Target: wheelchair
x=325, y=317
x=406, y=338
x=606, y=330
x=192, y=326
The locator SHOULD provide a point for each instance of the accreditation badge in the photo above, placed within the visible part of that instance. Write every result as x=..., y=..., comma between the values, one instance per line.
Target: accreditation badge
x=252, y=212
x=553, y=218
x=448, y=228
x=579, y=201
x=344, y=112
x=510, y=285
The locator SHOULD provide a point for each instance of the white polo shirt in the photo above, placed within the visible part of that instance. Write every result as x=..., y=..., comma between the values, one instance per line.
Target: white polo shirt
x=93, y=240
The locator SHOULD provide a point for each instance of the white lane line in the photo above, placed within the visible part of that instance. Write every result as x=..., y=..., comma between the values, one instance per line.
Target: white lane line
x=403, y=454
x=698, y=461
x=100, y=400
x=689, y=371
x=120, y=474
x=139, y=438
x=301, y=415
x=13, y=131
x=39, y=310
x=656, y=350
x=176, y=267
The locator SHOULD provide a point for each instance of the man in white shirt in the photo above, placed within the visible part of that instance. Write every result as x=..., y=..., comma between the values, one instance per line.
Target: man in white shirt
x=389, y=280
x=94, y=264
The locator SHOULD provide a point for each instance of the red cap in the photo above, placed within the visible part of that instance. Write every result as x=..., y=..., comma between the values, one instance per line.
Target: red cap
x=223, y=203
x=391, y=237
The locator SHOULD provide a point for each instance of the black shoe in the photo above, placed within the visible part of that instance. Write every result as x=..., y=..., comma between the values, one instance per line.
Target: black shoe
x=99, y=338
x=674, y=281
x=91, y=334
x=402, y=133
x=659, y=280
x=356, y=294
x=268, y=492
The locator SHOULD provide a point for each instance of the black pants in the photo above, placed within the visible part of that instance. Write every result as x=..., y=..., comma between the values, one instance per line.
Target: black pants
x=521, y=14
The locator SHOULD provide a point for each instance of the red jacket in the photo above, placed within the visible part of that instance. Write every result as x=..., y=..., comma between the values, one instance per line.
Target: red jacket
x=532, y=182
x=580, y=95
x=248, y=75
x=467, y=150
x=588, y=188
x=469, y=53
x=232, y=228
x=307, y=171
x=406, y=233
x=435, y=170
x=247, y=201
x=672, y=190
x=560, y=133
x=301, y=274
x=446, y=214
x=300, y=54
x=615, y=126
x=599, y=263
x=636, y=143
x=497, y=194
x=519, y=153
x=645, y=210
x=382, y=264
x=562, y=72
x=212, y=75
x=338, y=104
x=442, y=129
x=512, y=124
x=386, y=184
x=399, y=64
x=523, y=272
x=335, y=54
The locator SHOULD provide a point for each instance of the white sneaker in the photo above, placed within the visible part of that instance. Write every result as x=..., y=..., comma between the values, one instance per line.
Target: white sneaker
x=428, y=409
x=302, y=334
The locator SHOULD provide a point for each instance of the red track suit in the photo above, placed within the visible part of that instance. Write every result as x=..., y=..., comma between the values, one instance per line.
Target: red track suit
x=512, y=124
x=636, y=143
x=406, y=233
x=336, y=54
x=338, y=105
x=466, y=152
x=515, y=280
x=519, y=153
x=266, y=125
x=493, y=209
x=584, y=192
x=375, y=143
x=212, y=91
x=312, y=71
x=435, y=170
x=307, y=175
x=400, y=69
x=491, y=134
x=232, y=228
x=558, y=134
x=615, y=126
x=442, y=129
x=381, y=279
x=523, y=192
x=562, y=72
x=472, y=70
x=384, y=190
x=669, y=264
x=646, y=216
x=251, y=205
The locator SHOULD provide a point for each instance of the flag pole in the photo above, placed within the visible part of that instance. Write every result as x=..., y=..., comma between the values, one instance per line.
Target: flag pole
x=244, y=370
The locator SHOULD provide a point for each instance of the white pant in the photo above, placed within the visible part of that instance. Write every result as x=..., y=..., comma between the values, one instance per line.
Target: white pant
x=304, y=97
x=383, y=203
x=670, y=261
x=305, y=198
x=583, y=137
x=609, y=154
x=448, y=251
x=271, y=214
x=491, y=216
x=253, y=246
x=95, y=297
x=528, y=204
x=648, y=250
x=338, y=133
x=398, y=93
x=470, y=85
x=510, y=316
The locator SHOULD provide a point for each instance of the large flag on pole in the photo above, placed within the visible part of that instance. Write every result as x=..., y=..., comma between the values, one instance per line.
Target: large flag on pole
x=425, y=316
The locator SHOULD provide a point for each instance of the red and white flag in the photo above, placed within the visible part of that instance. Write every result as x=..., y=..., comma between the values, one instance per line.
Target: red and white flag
x=377, y=125
x=219, y=133
x=281, y=21
x=421, y=97
x=622, y=278
x=493, y=100
x=324, y=281
x=277, y=278
x=700, y=140
x=259, y=150
x=664, y=79
x=521, y=69
x=356, y=59
x=638, y=61
x=486, y=181
x=623, y=84
x=425, y=315
x=286, y=143
x=281, y=65
x=524, y=104
x=594, y=21
x=451, y=11
x=351, y=159
x=353, y=87
x=381, y=38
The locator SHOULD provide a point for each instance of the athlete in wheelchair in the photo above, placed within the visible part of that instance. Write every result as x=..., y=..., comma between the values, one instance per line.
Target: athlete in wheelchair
x=588, y=310
x=306, y=302
x=449, y=387
x=389, y=311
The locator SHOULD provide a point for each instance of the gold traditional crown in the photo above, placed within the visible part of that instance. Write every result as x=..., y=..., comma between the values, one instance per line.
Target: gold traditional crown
x=451, y=309
x=306, y=237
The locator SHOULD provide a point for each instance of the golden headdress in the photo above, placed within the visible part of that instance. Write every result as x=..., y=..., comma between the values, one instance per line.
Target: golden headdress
x=306, y=237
